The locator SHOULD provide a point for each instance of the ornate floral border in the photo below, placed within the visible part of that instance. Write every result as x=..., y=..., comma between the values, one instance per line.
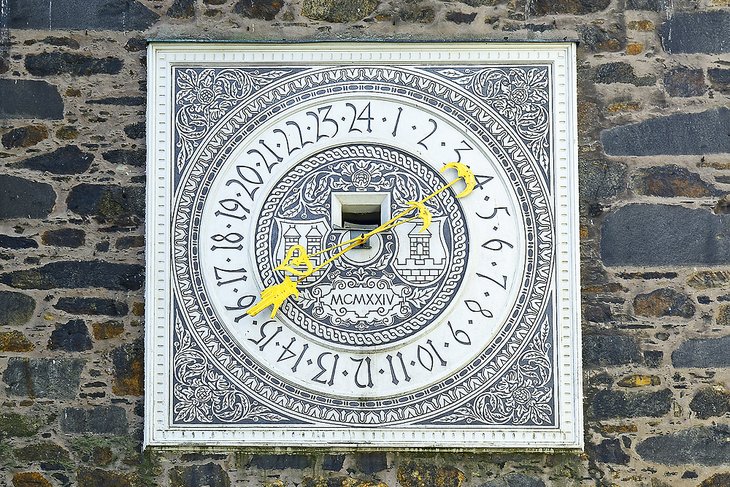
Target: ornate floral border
x=516, y=159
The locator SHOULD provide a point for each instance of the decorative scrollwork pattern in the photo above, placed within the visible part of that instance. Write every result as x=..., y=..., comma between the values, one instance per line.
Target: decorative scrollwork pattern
x=523, y=395
x=520, y=95
x=205, y=96
x=234, y=383
x=203, y=395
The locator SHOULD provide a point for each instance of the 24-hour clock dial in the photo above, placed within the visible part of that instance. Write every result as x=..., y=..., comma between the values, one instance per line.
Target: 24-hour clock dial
x=386, y=320
x=445, y=326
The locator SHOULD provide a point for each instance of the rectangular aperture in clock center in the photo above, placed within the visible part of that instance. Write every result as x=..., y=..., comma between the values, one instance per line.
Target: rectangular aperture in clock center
x=360, y=212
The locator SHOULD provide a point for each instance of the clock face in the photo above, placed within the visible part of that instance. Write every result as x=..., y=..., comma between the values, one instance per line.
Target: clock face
x=451, y=330
x=392, y=318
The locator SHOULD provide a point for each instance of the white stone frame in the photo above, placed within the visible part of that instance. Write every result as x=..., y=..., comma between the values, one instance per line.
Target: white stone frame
x=159, y=431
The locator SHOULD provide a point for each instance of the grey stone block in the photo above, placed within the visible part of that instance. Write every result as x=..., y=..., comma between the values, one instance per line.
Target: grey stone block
x=710, y=401
x=703, y=352
x=70, y=337
x=66, y=160
x=607, y=404
x=600, y=180
x=685, y=82
x=620, y=72
x=20, y=198
x=75, y=274
x=64, y=237
x=99, y=420
x=92, y=306
x=107, y=203
x=130, y=157
x=121, y=15
x=609, y=451
x=696, y=32
x=210, y=474
x=56, y=378
x=699, y=446
x=515, y=480
x=8, y=242
x=51, y=63
x=686, y=133
x=30, y=99
x=603, y=350
x=15, y=308
x=664, y=235
x=280, y=462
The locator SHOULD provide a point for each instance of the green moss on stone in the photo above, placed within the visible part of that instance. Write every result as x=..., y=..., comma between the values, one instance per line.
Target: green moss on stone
x=17, y=425
x=45, y=451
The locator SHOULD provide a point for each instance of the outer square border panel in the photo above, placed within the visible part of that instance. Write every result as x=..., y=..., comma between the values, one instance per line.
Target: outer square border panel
x=161, y=430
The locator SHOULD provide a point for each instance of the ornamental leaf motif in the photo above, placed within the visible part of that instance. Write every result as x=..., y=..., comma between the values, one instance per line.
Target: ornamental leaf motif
x=204, y=96
x=520, y=95
x=202, y=395
x=523, y=395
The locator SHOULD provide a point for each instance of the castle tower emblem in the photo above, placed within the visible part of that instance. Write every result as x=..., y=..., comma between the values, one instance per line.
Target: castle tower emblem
x=310, y=234
x=314, y=244
x=423, y=262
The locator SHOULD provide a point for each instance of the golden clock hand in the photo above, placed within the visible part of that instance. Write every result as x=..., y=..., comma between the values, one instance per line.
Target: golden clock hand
x=297, y=255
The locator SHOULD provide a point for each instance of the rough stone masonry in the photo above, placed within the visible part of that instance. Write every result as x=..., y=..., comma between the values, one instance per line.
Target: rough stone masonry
x=654, y=143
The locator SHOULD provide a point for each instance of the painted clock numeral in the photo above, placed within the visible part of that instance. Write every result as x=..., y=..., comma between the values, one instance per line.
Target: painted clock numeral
x=243, y=303
x=426, y=357
x=363, y=116
x=481, y=180
x=298, y=145
x=326, y=109
x=231, y=237
x=266, y=339
x=397, y=121
x=459, y=335
x=494, y=213
x=288, y=353
x=368, y=372
x=475, y=307
x=463, y=149
x=232, y=206
x=323, y=369
x=289, y=148
x=250, y=177
x=433, y=131
x=219, y=277
x=502, y=284
x=393, y=373
x=496, y=244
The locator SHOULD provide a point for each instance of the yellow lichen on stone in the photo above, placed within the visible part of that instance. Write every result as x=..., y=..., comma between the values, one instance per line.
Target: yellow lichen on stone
x=634, y=48
x=138, y=309
x=642, y=25
x=30, y=479
x=107, y=329
x=709, y=279
x=14, y=341
x=638, y=380
x=627, y=106
x=619, y=428
x=584, y=232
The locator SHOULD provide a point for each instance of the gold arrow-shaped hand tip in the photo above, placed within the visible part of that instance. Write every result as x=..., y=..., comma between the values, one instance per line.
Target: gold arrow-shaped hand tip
x=462, y=171
x=423, y=213
x=275, y=295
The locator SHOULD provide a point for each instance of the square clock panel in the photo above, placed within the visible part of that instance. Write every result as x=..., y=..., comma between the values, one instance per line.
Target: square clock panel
x=456, y=328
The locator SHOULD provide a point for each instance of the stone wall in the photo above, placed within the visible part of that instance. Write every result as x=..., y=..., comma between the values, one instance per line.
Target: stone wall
x=654, y=123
